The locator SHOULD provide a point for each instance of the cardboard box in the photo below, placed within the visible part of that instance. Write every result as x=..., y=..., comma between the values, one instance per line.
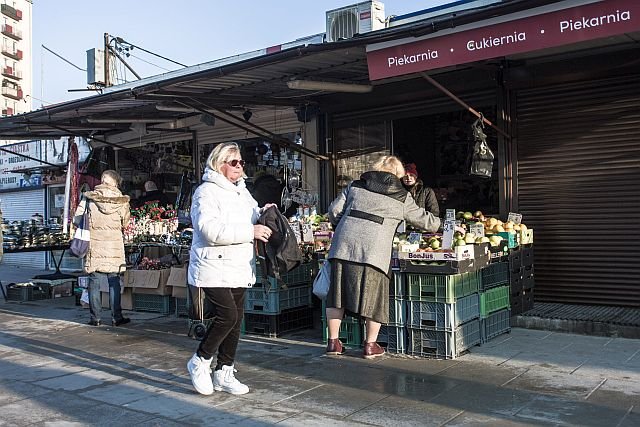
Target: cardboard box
x=126, y=299
x=179, y=292
x=153, y=282
x=178, y=277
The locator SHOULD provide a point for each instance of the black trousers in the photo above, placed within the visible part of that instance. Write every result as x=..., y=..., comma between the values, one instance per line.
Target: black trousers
x=224, y=333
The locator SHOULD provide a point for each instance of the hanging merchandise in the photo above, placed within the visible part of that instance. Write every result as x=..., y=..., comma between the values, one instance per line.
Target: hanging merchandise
x=482, y=157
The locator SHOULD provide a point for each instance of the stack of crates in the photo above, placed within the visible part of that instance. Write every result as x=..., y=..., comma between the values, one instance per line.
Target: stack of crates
x=442, y=314
x=495, y=313
x=521, y=279
x=273, y=308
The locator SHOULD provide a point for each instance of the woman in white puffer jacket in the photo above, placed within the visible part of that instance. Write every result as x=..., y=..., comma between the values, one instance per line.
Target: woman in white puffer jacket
x=222, y=263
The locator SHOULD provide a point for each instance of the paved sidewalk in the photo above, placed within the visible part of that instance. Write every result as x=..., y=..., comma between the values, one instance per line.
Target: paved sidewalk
x=55, y=370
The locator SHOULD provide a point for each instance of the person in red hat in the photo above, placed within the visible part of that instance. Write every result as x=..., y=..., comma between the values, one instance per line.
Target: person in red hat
x=425, y=197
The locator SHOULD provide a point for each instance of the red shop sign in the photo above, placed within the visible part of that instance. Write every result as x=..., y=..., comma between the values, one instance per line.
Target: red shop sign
x=575, y=24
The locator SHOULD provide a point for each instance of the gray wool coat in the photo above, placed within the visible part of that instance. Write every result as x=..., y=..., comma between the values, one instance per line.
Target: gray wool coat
x=365, y=217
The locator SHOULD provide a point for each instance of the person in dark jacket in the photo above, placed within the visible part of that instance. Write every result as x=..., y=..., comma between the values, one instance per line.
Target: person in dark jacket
x=365, y=216
x=425, y=197
x=152, y=194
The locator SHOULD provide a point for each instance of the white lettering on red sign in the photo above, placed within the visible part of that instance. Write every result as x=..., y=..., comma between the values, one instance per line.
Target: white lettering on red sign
x=397, y=61
x=487, y=42
x=594, y=21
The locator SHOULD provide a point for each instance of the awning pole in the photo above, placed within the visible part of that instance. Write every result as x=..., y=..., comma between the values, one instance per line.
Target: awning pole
x=464, y=104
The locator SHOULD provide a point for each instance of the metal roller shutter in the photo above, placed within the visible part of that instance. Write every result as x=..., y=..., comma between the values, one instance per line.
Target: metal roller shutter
x=19, y=206
x=578, y=186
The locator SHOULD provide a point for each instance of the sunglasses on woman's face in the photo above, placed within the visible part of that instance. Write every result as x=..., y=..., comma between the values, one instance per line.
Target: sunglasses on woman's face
x=235, y=162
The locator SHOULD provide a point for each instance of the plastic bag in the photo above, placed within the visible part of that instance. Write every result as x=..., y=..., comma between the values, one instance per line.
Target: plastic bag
x=482, y=157
x=322, y=281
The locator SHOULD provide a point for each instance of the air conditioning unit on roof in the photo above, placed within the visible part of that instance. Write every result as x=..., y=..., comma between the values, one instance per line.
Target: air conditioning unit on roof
x=345, y=22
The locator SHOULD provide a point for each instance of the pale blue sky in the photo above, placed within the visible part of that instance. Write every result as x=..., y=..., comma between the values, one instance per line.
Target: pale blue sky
x=187, y=31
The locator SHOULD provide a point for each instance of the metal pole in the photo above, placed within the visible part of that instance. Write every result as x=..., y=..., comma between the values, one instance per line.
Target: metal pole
x=464, y=104
x=106, y=60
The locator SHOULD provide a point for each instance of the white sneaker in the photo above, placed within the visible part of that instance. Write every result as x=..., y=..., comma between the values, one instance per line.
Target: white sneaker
x=225, y=380
x=200, y=371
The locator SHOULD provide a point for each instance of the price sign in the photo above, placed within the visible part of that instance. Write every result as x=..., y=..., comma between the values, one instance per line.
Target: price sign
x=516, y=218
x=447, y=234
x=307, y=232
x=450, y=215
x=477, y=229
x=414, y=237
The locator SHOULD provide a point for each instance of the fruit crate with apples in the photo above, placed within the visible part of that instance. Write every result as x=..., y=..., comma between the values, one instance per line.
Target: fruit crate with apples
x=441, y=316
x=441, y=288
x=443, y=344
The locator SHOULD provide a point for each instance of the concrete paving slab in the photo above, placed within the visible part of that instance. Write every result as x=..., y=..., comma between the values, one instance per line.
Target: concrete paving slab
x=335, y=400
x=549, y=381
x=124, y=392
x=560, y=411
x=242, y=411
x=14, y=391
x=171, y=405
x=398, y=411
x=309, y=419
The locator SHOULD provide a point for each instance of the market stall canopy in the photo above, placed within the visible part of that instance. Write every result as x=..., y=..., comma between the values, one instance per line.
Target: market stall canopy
x=307, y=79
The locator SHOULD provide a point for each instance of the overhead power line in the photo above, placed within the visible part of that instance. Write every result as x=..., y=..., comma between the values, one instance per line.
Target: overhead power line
x=61, y=57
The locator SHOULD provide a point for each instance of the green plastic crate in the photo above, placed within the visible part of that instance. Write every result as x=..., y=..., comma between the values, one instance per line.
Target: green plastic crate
x=443, y=344
x=154, y=303
x=299, y=275
x=351, y=331
x=257, y=300
x=493, y=300
x=442, y=288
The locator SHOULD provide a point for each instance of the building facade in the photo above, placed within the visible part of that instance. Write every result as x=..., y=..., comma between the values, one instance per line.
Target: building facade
x=16, y=54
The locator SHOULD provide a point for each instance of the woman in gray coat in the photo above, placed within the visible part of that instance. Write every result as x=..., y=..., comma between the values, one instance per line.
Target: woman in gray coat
x=365, y=216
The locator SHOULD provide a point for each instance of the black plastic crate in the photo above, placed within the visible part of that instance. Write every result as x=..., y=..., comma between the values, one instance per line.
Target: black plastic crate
x=277, y=324
x=516, y=280
x=16, y=292
x=495, y=324
x=515, y=260
x=528, y=281
x=516, y=304
x=527, y=300
x=527, y=256
x=495, y=274
x=163, y=304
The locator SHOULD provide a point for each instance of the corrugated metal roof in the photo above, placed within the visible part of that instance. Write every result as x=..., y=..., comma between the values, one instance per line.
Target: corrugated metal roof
x=254, y=82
